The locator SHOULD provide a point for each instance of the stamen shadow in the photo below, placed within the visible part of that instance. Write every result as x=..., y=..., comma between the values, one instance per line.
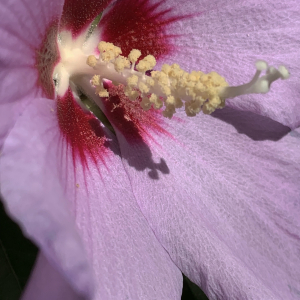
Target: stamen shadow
x=129, y=132
x=256, y=127
x=130, y=145
x=139, y=156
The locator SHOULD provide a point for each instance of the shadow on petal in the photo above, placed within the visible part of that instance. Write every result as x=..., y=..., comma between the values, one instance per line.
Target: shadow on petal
x=134, y=125
x=141, y=159
x=256, y=127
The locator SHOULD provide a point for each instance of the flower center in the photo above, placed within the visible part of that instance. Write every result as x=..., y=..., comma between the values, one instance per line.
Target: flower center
x=170, y=88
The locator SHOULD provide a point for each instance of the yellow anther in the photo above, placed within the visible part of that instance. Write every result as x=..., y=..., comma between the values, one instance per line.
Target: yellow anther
x=207, y=108
x=157, y=103
x=108, y=56
x=130, y=93
x=166, y=68
x=150, y=81
x=133, y=95
x=143, y=66
x=190, y=88
x=126, y=62
x=192, y=108
x=190, y=84
x=102, y=46
x=153, y=98
x=212, y=104
x=213, y=79
x=155, y=74
x=182, y=78
x=134, y=55
x=108, y=51
x=175, y=71
x=199, y=87
x=161, y=77
x=206, y=79
x=175, y=66
x=143, y=87
x=174, y=83
x=169, y=112
x=146, y=64
x=216, y=79
x=200, y=100
x=151, y=60
x=166, y=90
x=127, y=90
x=215, y=102
x=120, y=63
x=92, y=61
x=192, y=77
x=145, y=103
x=132, y=80
x=96, y=80
x=196, y=74
x=110, y=46
x=117, y=51
x=170, y=101
x=178, y=103
x=101, y=91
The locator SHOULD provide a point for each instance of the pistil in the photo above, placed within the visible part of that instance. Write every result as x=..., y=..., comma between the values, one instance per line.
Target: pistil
x=170, y=88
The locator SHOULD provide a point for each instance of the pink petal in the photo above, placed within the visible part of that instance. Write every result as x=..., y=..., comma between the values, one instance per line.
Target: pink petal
x=23, y=25
x=48, y=284
x=9, y=113
x=127, y=258
x=41, y=185
x=229, y=36
x=34, y=195
x=228, y=211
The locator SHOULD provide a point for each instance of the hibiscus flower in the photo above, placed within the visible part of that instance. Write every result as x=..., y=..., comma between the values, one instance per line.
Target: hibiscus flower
x=120, y=199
